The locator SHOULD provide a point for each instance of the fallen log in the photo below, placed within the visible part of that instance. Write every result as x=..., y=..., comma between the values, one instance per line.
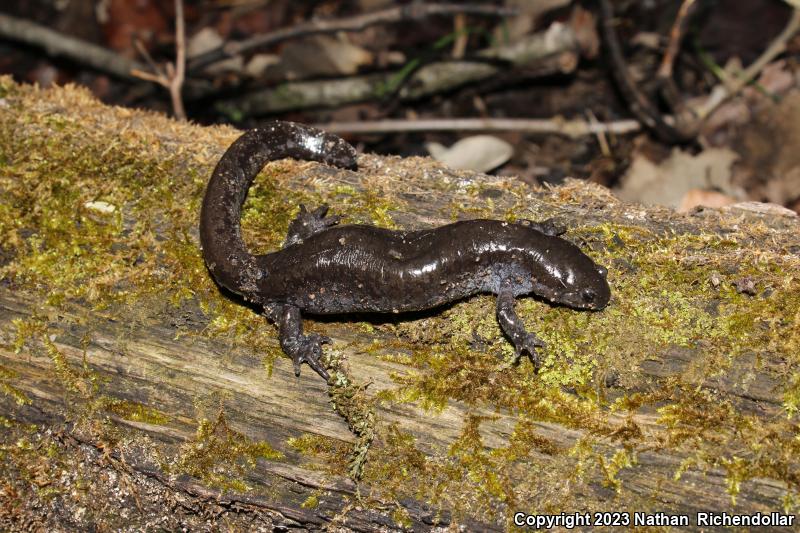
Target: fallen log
x=134, y=391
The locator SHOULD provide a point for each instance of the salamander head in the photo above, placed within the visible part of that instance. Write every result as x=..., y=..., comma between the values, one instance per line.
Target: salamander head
x=305, y=142
x=571, y=278
x=590, y=290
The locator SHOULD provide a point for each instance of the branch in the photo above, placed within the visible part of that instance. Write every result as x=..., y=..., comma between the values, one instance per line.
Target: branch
x=152, y=359
x=638, y=103
x=172, y=79
x=58, y=45
x=568, y=128
x=414, y=11
x=664, y=75
x=180, y=62
x=732, y=86
x=676, y=37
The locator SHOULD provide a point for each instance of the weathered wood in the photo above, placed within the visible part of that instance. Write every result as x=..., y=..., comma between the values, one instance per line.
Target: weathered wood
x=284, y=406
x=686, y=405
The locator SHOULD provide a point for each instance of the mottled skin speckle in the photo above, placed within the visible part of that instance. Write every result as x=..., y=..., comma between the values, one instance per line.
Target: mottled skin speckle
x=328, y=269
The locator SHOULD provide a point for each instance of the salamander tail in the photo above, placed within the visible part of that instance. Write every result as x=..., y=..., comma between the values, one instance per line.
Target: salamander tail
x=224, y=250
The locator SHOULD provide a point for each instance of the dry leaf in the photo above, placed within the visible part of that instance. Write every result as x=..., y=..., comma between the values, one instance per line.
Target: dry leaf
x=323, y=55
x=700, y=197
x=667, y=183
x=481, y=153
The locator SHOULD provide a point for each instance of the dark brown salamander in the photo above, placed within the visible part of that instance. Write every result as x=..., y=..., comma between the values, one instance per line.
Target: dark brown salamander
x=328, y=269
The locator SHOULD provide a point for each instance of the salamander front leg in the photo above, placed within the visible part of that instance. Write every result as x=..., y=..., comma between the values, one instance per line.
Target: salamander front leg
x=301, y=348
x=513, y=327
x=306, y=224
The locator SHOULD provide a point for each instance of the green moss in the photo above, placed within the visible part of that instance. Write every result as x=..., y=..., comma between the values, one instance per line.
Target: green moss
x=469, y=479
x=311, y=502
x=333, y=456
x=7, y=375
x=402, y=517
x=364, y=206
x=219, y=455
x=7, y=86
x=34, y=334
x=136, y=412
x=358, y=410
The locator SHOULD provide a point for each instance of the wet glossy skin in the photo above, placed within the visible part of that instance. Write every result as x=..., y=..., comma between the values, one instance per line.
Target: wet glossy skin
x=364, y=268
x=327, y=269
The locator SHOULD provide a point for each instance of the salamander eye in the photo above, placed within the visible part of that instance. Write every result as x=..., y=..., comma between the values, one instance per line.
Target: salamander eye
x=603, y=271
x=588, y=295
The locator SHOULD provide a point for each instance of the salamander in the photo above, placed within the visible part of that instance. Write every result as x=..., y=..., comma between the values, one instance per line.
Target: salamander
x=325, y=268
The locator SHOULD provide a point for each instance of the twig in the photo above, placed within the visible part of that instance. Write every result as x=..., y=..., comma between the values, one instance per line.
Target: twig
x=142, y=49
x=59, y=45
x=180, y=62
x=675, y=37
x=687, y=121
x=568, y=128
x=638, y=103
x=664, y=75
x=172, y=79
x=605, y=148
x=413, y=11
x=462, y=36
x=734, y=85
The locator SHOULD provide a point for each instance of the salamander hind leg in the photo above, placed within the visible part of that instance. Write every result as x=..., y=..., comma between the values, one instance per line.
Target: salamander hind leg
x=525, y=343
x=301, y=348
x=308, y=223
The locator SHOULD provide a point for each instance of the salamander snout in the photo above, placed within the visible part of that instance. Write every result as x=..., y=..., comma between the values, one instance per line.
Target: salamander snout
x=596, y=293
x=589, y=295
x=595, y=297
x=587, y=287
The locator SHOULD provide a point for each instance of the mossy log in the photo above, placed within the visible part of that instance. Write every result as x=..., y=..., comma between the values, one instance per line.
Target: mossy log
x=134, y=393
